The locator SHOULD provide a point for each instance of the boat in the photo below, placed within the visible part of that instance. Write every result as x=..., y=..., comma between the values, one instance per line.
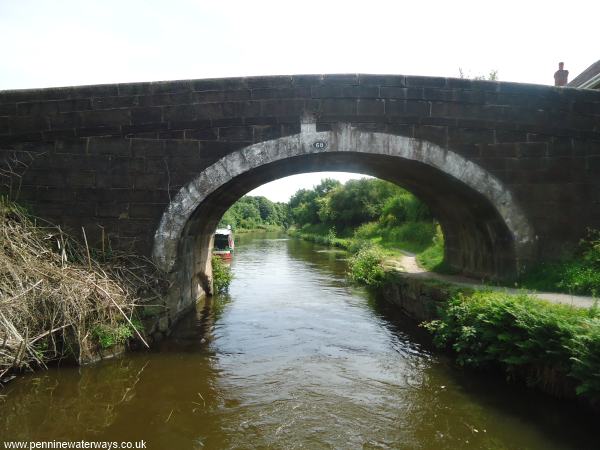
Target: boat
x=223, y=243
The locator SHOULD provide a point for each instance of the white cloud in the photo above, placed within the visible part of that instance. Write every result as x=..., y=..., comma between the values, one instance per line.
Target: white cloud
x=47, y=43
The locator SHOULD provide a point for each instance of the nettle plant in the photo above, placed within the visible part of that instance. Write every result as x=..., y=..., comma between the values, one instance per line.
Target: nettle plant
x=523, y=335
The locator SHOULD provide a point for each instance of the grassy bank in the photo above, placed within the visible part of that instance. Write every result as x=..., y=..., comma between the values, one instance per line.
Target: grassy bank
x=545, y=343
x=60, y=299
x=577, y=274
x=371, y=243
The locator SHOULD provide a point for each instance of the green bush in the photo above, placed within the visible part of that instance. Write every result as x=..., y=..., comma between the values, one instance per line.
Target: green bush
x=366, y=266
x=579, y=274
x=111, y=335
x=432, y=258
x=222, y=275
x=521, y=333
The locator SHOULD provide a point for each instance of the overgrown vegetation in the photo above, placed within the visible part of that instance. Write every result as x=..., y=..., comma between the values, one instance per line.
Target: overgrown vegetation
x=255, y=213
x=367, y=214
x=524, y=336
x=366, y=266
x=109, y=336
x=579, y=274
x=432, y=258
x=57, y=300
x=222, y=275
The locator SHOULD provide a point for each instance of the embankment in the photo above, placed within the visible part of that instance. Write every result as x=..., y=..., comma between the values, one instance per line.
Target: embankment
x=63, y=301
x=551, y=347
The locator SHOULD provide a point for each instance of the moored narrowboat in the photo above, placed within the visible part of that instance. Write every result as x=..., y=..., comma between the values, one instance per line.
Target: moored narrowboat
x=224, y=244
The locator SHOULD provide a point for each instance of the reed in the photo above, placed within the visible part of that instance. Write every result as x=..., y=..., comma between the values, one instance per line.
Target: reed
x=55, y=291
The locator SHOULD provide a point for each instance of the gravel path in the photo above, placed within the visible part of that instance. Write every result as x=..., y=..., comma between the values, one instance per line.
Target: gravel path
x=408, y=264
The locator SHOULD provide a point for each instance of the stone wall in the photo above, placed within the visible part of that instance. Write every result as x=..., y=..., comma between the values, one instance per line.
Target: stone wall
x=110, y=158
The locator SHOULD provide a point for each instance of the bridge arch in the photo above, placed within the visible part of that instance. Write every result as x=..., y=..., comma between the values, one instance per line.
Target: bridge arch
x=487, y=233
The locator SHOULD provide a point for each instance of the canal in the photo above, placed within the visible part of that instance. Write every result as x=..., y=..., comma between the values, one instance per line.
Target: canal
x=292, y=357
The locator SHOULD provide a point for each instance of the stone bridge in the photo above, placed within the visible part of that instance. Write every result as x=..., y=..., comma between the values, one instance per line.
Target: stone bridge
x=511, y=171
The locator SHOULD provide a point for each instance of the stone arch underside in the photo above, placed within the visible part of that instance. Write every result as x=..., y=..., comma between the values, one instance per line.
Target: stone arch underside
x=486, y=233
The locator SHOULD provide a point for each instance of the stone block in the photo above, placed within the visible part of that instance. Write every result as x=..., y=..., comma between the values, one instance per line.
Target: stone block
x=507, y=136
x=151, y=181
x=221, y=96
x=207, y=134
x=54, y=135
x=219, y=84
x=180, y=148
x=267, y=132
x=406, y=108
x=76, y=146
x=98, y=131
x=107, y=180
x=239, y=110
x=146, y=210
x=144, y=148
x=273, y=93
x=169, y=99
x=282, y=81
x=150, y=114
x=180, y=113
x=65, y=120
x=81, y=179
x=8, y=109
x=236, y=133
x=105, y=118
x=114, y=102
x=436, y=134
x=470, y=136
x=402, y=93
x=370, y=107
x=341, y=79
x=109, y=146
x=162, y=87
x=114, y=209
x=425, y=81
x=382, y=80
x=228, y=122
x=23, y=124
x=344, y=106
x=171, y=134
x=283, y=107
x=532, y=149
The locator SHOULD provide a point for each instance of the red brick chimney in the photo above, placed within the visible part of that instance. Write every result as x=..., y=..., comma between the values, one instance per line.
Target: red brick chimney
x=561, y=76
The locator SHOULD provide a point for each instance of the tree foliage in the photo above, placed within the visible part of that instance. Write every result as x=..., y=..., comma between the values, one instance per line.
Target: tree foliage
x=520, y=333
x=256, y=212
x=348, y=206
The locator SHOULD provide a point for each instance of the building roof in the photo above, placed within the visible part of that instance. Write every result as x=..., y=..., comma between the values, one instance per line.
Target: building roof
x=589, y=78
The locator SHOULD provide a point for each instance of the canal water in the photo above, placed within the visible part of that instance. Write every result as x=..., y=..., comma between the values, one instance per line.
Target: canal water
x=293, y=357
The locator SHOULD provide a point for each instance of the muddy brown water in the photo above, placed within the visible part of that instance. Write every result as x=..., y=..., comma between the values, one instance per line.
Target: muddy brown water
x=292, y=357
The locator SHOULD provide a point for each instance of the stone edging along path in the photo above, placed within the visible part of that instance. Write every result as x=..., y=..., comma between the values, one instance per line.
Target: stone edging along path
x=407, y=264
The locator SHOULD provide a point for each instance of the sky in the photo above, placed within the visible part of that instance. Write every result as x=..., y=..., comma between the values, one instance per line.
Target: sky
x=63, y=42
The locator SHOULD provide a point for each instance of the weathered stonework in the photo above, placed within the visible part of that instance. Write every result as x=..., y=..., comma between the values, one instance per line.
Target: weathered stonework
x=511, y=170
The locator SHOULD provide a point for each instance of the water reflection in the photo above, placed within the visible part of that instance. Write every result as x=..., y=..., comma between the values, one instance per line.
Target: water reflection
x=292, y=357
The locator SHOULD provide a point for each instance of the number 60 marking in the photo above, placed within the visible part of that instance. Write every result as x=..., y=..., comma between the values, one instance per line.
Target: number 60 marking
x=320, y=145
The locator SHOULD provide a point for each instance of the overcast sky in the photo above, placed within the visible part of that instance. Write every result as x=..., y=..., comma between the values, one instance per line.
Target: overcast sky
x=64, y=42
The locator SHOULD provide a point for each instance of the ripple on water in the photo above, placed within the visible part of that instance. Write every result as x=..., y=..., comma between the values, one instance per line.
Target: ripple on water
x=292, y=358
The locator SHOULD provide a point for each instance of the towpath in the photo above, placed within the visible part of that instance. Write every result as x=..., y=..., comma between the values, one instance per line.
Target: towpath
x=407, y=263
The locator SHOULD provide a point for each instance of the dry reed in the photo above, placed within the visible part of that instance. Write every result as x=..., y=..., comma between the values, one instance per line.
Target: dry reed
x=54, y=292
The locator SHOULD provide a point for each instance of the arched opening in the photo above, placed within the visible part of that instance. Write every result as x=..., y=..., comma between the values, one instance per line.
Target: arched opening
x=486, y=233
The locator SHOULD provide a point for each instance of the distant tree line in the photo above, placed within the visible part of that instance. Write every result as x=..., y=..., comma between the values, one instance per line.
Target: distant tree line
x=350, y=205
x=250, y=213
